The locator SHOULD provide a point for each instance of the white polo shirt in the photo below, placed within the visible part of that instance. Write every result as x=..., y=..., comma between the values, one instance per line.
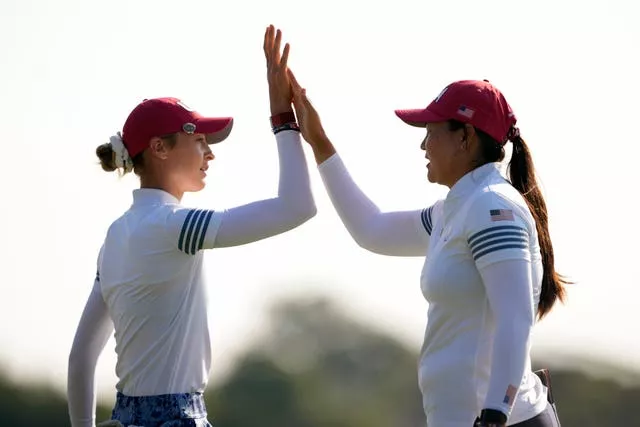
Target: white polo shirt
x=150, y=285
x=481, y=277
x=150, y=273
x=483, y=220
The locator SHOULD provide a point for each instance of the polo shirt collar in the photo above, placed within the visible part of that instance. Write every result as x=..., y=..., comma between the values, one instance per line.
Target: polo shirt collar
x=466, y=185
x=152, y=196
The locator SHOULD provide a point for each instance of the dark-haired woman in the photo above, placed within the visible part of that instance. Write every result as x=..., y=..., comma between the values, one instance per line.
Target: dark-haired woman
x=489, y=267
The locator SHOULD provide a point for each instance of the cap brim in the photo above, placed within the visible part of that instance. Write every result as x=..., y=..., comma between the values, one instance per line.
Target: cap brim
x=216, y=129
x=419, y=117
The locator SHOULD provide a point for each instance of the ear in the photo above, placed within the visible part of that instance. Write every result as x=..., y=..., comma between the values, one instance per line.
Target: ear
x=469, y=137
x=158, y=148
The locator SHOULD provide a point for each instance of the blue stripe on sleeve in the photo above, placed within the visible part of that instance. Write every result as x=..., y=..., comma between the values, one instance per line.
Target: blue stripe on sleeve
x=425, y=216
x=204, y=229
x=196, y=234
x=194, y=230
x=191, y=232
x=185, y=225
x=497, y=238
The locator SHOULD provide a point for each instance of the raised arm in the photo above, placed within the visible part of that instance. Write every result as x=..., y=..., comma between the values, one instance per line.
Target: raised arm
x=399, y=233
x=402, y=233
x=195, y=229
x=92, y=334
x=294, y=204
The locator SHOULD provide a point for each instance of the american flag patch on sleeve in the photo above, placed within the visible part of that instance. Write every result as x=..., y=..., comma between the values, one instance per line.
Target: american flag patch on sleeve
x=501, y=215
x=510, y=395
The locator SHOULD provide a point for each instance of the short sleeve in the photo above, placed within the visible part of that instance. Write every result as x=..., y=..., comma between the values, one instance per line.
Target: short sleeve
x=192, y=230
x=496, y=230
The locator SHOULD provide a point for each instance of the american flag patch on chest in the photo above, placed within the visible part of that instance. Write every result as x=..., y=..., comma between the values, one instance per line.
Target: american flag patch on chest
x=501, y=215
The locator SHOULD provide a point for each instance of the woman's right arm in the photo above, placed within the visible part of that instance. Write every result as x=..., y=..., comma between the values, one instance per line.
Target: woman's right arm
x=403, y=233
x=400, y=233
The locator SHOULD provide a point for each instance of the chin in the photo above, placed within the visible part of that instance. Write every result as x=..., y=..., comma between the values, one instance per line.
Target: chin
x=196, y=186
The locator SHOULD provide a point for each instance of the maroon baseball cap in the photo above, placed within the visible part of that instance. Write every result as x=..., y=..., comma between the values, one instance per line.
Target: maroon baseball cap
x=164, y=116
x=476, y=102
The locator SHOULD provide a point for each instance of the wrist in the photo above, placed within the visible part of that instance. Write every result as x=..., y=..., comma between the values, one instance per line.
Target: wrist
x=283, y=118
x=491, y=418
x=281, y=107
x=322, y=149
x=284, y=121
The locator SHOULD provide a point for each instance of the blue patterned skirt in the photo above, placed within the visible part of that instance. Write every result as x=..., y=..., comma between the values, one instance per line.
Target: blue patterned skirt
x=164, y=410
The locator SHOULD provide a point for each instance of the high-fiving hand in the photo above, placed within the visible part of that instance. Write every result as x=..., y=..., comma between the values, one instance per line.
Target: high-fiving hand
x=285, y=89
x=280, y=95
x=308, y=118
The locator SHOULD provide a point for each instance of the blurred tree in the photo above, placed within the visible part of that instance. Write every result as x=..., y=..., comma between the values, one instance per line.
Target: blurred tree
x=258, y=393
x=344, y=374
x=316, y=367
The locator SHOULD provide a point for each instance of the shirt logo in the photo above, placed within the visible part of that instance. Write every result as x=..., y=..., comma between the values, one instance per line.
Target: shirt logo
x=445, y=233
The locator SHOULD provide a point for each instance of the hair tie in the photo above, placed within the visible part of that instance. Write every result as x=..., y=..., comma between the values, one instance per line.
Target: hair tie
x=513, y=134
x=121, y=154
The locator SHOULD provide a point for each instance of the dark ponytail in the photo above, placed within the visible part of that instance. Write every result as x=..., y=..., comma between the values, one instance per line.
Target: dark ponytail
x=523, y=178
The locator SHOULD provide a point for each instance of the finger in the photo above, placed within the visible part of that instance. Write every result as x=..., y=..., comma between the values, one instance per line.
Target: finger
x=268, y=42
x=300, y=100
x=285, y=57
x=294, y=82
x=305, y=101
x=275, y=49
x=264, y=42
x=266, y=46
x=298, y=105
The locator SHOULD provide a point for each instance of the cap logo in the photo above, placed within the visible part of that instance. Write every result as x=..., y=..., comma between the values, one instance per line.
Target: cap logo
x=189, y=128
x=183, y=105
x=441, y=93
x=466, y=112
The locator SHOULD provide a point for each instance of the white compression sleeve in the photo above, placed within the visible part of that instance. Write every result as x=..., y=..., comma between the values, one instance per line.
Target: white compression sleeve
x=265, y=218
x=93, y=332
x=399, y=233
x=510, y=292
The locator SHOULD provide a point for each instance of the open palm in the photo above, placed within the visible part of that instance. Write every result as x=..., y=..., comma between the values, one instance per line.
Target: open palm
x=279, y=87
x=308, y=117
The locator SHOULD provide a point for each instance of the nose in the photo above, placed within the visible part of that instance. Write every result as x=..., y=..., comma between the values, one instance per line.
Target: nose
x=423, y=147
x=208, y=155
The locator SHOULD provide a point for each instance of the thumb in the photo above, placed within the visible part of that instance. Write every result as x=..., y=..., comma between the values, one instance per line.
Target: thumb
x=298, y=102
x=305, y=100
x=292, y=79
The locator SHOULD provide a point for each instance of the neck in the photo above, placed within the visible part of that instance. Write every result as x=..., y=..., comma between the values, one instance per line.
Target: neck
x=457, y=175
x=160, y=183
